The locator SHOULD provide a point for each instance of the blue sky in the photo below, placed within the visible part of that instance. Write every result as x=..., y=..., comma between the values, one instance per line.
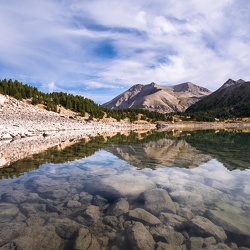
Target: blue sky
x=100, y=48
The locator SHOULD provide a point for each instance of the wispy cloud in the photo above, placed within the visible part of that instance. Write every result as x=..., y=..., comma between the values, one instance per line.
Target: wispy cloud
x=91, y=46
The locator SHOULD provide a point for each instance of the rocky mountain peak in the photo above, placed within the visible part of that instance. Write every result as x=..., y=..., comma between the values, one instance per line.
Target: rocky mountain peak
x=228, y=83
x=190, y=87
x=159, y=98
x=240, y=81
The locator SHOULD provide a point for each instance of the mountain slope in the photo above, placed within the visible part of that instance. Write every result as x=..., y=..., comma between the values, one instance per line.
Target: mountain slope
x=159, y=98
x=233, y=98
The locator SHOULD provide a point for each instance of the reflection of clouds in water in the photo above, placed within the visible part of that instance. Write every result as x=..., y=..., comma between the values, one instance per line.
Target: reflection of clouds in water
x=53, y=169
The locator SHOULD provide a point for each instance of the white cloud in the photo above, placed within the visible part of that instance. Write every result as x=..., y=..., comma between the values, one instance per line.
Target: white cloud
x=88, y=45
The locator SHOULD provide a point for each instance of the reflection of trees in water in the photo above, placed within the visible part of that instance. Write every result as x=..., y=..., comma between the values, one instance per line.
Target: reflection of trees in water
x=231, y=149
x=157, y=148
x=76, y=151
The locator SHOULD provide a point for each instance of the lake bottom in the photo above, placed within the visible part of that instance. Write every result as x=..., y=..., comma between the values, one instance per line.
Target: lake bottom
x=102, y=202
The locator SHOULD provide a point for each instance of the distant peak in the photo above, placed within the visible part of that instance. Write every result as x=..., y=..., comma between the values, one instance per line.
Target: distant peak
x=136, y=86
x=240, y=81
x=228, y=83
x=153, y=84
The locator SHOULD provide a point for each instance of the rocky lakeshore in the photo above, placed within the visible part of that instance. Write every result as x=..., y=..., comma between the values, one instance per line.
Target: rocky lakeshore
x=26, y=129
x=19, y=119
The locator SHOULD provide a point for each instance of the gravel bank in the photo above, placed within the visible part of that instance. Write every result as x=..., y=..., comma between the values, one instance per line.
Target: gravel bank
x=26, y=129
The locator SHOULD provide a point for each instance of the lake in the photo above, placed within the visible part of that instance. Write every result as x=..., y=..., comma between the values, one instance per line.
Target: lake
x=151, y=190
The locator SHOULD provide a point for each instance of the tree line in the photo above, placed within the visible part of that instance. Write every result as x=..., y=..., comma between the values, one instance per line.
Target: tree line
x=82, y=105
x=76, y=103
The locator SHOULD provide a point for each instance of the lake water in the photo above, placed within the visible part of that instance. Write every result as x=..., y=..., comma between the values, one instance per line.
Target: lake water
x=152, y=190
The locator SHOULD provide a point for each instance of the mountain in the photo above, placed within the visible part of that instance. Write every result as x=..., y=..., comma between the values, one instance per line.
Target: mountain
x=231, y=99
x=159, y=98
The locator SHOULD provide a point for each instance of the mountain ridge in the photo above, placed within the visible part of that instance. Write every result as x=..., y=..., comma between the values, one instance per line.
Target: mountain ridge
x=233, y=97
x=159, y=98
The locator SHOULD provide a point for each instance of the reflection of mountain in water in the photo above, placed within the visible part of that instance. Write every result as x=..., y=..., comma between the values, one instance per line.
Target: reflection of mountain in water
x=231, y=149
x=164, y=152
x=150, y=149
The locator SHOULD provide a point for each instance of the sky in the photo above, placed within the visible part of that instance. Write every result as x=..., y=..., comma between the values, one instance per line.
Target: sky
x=100, y=48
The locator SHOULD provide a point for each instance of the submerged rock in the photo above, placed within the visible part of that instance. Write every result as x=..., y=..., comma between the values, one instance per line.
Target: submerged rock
x=167, y=235
x=157, y=200
x=86, y=240
x=73, y=204
x=196, y=243
x=236, y=226
x=139, y=237
x=8, y=212
x=204, y=227
x=123, y=185
x=93, y=213
x=173, y=220
x=142, y=215
x=101, y=202
x=118, y=208
x=188, y=198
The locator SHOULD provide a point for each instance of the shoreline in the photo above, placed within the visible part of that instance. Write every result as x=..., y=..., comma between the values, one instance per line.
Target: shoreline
x=26, y=130
x=12, y=150
x=207, y=125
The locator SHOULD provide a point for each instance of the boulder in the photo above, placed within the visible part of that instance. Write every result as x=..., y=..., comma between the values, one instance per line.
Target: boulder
x=185, y=213
x=167, y=246
x=200, y=192
x=204, y=227
x=29, y=209
x=118, y=208
x=195, y=243
x=93, y=213
x=15, y=196
x=139, y=237
x=123, y=185
x=8, y=212
x=85, y=198
x=35, y=220
x=157, y=200
x=188, y=198
x=110, y=220
x=101, y=202
x=60, y=194
x=167, y=235
x=86, y=240
x=209, y=241
x=39, y=238
x=73, y=204
x=11, y=231
x=142, y=215
x=173, y=220
x=235, y=225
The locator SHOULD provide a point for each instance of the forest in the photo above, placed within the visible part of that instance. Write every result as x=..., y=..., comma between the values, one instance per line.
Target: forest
x=82, y=105
x=76, y=103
